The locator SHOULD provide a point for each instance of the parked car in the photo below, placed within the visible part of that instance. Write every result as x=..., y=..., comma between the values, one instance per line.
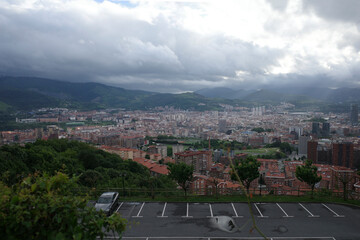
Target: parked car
x=107, y=202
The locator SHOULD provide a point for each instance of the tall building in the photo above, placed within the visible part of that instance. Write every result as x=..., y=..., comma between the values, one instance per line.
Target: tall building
x=303, y=144
x=316, y=128
x=201, y=160
x=343, y=154
x=312, y=150
x=177, y=148
x=325, y=130
x=354, y=119
x=162, y=150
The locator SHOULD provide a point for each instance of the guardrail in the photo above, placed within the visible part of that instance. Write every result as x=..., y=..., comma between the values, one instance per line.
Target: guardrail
x=146, y=192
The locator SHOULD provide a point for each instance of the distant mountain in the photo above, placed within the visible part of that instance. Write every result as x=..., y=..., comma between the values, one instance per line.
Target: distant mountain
x=268, y=96
x=26, y=93
x=340, y=95
x=344, y=95
x=222, y=92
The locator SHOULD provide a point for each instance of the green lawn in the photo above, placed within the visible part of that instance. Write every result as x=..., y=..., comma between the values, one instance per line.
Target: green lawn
x=259, y=151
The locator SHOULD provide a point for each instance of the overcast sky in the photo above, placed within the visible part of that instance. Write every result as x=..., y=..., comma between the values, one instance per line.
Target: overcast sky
x=177, y=46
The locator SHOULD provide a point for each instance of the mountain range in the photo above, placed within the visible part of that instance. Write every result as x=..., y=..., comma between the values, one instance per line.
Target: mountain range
x=339, y=95
x=27, y=93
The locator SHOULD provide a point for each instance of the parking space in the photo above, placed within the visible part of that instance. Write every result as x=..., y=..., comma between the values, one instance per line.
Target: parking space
x=234, y=210
x=200, y=210
x=126, y=208
x=273, y=210
x=242, y=209
x=153, y=209
x=294, y=209
x=301, y=221
x=225, y=209
x=344, y=210
x=175, y=210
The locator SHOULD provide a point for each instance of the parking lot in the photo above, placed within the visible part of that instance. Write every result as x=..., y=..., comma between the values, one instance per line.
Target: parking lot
x=322, y=221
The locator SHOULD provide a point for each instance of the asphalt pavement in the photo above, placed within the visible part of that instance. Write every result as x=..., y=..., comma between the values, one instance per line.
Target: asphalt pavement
x=227, y=221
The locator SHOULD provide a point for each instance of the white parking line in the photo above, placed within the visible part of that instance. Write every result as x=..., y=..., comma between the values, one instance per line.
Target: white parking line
x=211, y=212
x=311, y=215
x=187, y=212
x=162, y=215
x=262, y=216
x=336, y=215
x=286, y=215
x=236, y=214
x=119, y=206
x=138, y=215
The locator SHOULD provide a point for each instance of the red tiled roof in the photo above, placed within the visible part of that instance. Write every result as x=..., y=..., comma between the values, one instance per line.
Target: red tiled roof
x=152, y=166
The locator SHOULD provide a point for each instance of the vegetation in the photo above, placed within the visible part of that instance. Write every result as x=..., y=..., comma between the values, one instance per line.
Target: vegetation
x=247, y=170
x=260, y=130
x=27, y=93
x=283, y=146
x=182, y=174
x=218, y=144
x=43, y=207
x=265, y=153
x=308, y=174
x=94, y=167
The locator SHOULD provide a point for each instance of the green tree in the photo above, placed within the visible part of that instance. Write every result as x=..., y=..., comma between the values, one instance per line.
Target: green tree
x=308, y=173
x=182, y=174
x=169, y=151
x=247, y=170
x=43, y=207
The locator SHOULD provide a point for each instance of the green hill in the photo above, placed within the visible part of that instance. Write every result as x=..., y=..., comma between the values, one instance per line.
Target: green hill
x=26, y=93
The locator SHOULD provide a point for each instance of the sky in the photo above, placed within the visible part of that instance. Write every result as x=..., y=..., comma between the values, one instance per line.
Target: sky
x=180, y=46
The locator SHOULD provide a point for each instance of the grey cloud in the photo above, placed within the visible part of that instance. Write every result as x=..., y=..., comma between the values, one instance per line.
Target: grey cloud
x=279, y=5
x=344, y=10
x=116, y=49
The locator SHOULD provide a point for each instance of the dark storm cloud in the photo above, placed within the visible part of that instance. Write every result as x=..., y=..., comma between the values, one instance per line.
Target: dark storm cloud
x=136, y=48
x=121, y=50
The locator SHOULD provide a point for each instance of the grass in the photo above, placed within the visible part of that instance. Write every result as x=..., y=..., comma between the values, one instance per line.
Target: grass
x=260, y=151
x=242, y=198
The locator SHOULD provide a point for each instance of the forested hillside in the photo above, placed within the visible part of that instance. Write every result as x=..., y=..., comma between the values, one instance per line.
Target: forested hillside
x=94, y=167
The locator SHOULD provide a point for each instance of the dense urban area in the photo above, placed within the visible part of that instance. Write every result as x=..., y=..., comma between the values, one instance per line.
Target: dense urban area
x=277, y=136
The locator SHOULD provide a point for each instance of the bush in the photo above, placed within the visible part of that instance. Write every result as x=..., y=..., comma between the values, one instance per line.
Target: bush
x=43, y=207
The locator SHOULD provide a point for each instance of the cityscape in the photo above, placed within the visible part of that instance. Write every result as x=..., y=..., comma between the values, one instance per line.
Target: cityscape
x=329, y=140
x=180, y=120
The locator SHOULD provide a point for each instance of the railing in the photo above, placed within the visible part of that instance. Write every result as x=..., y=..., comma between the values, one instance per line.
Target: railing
x=178, y=193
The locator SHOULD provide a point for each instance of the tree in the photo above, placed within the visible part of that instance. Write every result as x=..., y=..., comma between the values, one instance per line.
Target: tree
x=43, y=207
x=247, y=170
x=182, y=174
x=345, y=177
x=308, y=173
x=261, y=182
